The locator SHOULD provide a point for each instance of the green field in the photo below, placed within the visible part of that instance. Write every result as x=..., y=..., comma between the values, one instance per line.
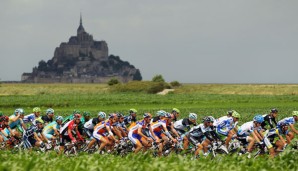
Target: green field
x=203, y=99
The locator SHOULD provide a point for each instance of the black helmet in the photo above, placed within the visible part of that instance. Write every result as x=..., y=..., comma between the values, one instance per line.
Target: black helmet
x=274, y=110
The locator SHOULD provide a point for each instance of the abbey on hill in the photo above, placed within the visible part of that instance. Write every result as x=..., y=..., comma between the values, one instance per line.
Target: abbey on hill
x=82, y=60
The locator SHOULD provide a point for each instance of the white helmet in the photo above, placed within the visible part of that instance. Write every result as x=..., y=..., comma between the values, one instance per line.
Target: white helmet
x=193, y=116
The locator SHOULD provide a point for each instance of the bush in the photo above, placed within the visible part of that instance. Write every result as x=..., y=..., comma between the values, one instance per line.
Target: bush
x=158, y=78
x=113, y=81
x=175, y=84
x=155, y=88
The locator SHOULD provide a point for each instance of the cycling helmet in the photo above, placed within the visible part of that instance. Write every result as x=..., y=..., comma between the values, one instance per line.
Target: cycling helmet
x=236, y=114
x=77, y=116
x=147, y=115
x=161, y=113
x=101, y=115
x=230, y=112
x=207, y=119
x=112, y=115
x=133, y=111
x=5, y=118
x=119, y=115
x=50, y=111
x=193, y=116
x=274, y=110
x=38, y=122
x=85, y=113
x=211, y=118
x=284, y=124
x=59, y=118
x=1, y=113
x=19, y=111
x=176, y=110
x=295, y=113
x=36, y=109
x=76, y=111
x=258, y=118
x=168, y=115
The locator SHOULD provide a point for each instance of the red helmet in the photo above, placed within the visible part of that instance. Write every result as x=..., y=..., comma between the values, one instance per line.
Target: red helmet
x=77, y=116
x=5, y=118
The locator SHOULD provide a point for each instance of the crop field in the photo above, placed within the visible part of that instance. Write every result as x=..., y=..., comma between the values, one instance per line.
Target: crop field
x=203, y=99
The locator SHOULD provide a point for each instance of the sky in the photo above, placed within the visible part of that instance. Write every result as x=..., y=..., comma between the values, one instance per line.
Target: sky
x=191, y=41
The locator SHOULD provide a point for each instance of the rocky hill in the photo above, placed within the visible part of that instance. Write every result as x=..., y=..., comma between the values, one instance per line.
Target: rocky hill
x=82, y=60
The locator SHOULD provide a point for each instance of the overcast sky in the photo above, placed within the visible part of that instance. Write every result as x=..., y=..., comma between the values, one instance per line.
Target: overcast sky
x=192, y=41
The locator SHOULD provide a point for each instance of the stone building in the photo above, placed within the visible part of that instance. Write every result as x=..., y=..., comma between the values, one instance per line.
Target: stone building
x=82, y=60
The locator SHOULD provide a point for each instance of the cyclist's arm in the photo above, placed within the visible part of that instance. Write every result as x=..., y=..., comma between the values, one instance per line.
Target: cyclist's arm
x=174, y=130
x=167, y=132
x=36, y=137
x=4, y=133
x=152, y=133
x=110, y=132
x=293, y=128
x=255, y=136
x=15, y=118
x=141, y=133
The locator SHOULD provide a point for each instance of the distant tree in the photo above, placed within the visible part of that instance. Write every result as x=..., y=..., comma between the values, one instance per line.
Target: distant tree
x=158, y=78
x=175, y=84
x=113, y=81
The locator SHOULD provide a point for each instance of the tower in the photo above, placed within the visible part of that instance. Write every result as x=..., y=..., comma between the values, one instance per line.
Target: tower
x=80, y=28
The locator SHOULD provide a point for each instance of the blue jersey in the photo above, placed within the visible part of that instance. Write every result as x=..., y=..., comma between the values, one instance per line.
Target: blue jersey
x=30, y=118
x=286, y=121
x=14, y=124
x=224, y=126
x=30, y=131
x=49, y=129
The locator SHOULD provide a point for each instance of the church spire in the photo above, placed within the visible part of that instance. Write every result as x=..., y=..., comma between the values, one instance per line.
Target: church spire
x=81, y=28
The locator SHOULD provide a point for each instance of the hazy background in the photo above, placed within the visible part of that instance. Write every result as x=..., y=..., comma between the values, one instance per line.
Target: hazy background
x=192, y=41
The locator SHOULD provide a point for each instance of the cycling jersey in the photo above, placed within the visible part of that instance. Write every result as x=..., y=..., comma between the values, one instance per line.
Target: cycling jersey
x=16, y=124
x=30, y=118
x=46, y=119
x=91, y=123
x=217, y=121
x=268, y=120
x=129, y=119
x=247, y=128
x=224, y=125
x=183, y=125
x=49, y=129
x=70, y=125
x=133, y=132
x=286, y=121
x=30, y=131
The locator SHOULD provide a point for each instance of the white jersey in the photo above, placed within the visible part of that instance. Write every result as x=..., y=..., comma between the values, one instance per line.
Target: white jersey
x=30, y=119
x=89, y=124
x=247, y=128
x=217, y=121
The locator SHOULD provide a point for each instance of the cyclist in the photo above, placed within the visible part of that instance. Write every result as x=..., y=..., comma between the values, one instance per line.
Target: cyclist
x=121, y=125
x=198, y=134
x=251, y=128
x=271, y=135
x=160, y=130
x=51, y=131
x=136, y=135
x=89, y=126
x=226, y=126
x=270, y=119
x=131, y=118
x=31, y=137
x=16, y=122
x=84, y=119
x=48, y=118
x=290, y=121
x=103, y=133
x=66, y=131
x=5, y=130
x=183, y=125
x=175, y=113
x=158, y=115
x=30, y=119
